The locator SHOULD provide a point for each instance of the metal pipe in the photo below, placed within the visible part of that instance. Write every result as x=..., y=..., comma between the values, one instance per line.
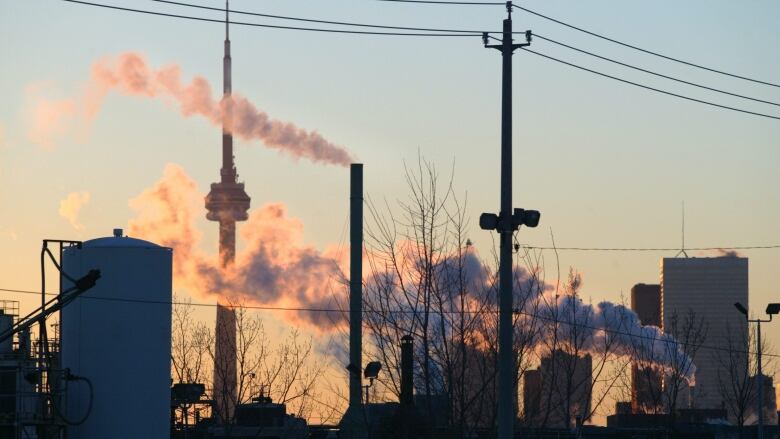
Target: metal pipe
x=407, y=370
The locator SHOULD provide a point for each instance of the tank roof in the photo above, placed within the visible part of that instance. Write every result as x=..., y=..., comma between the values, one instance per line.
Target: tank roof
x=118, y=240
x=113, y=241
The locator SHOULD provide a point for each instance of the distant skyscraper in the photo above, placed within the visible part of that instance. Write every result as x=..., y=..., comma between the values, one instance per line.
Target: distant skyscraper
x=645, y=381
x=532, y=394
x=705, y=288
x=562, y=383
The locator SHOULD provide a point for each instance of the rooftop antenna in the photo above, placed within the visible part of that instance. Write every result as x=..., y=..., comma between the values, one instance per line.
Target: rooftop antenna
x=682, y=246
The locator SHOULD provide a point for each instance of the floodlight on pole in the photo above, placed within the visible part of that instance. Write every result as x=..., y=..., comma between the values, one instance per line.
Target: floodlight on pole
x=771, y=309
x=371, y=372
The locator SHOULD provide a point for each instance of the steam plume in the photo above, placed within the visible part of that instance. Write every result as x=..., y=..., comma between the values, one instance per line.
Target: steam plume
x=276, y=268
x=542, y=315
x=71, y=205
x=613, y=325
x=130, y=75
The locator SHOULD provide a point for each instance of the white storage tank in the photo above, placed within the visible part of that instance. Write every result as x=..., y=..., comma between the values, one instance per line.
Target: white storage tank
x=118, y=336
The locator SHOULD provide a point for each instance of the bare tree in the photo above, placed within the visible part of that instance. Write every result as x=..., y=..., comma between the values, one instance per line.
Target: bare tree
x=582, y=357
x=689, y=332
x=190, y=341
x=286, y=371
x=427, y=281
x=735, y=371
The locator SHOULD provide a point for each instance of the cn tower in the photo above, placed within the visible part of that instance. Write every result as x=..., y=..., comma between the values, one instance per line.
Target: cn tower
x=226, y=203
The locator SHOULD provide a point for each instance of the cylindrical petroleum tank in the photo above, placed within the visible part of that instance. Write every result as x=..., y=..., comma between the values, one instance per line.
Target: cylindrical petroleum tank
x=117, y=335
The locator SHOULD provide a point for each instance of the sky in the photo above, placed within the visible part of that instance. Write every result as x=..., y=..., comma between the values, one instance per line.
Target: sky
x=607, y=164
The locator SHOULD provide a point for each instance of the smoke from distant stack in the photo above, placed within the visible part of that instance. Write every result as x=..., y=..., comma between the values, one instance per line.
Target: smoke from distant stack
x=276, y=268
x=129, y=74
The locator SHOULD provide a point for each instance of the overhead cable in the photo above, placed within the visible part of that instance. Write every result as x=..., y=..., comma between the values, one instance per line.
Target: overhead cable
x=312, y=20
x=652, y=72
x=651, y=249
x=442, y=2
x=650, y=52
x=713, y=104
x=271, y=26
x=398, y=311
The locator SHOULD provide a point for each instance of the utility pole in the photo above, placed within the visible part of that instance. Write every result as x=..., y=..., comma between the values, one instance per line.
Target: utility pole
x=760, y=381
x=506, y=223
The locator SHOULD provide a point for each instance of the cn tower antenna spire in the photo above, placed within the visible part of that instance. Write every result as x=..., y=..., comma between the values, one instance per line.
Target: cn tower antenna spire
x=226, y=203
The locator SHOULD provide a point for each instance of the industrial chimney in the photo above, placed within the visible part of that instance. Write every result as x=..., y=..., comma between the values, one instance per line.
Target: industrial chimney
x=355, y=284
x=407, y=371
x=353, y=424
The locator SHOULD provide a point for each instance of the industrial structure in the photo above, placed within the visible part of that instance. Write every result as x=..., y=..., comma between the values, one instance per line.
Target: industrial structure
x=19, y=402
x=105, y=332
x=226, y=203
x=704, y=290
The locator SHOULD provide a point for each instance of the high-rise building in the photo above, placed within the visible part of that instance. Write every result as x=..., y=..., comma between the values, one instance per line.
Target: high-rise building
x=703, y=290
x=226, y=203
x=559, y=392
x=646, y=381
x=532, y=394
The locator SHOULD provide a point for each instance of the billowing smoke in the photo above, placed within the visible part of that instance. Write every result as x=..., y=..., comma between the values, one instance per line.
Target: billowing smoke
x=71, y=205
x=542, y=315
x=275, y=269
x=608, y=327
x=129, y=74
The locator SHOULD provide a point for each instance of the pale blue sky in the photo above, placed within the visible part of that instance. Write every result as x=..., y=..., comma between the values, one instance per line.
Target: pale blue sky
x=606, y=163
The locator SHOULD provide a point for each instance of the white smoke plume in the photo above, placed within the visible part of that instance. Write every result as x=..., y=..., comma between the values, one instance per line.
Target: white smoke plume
x=71, y=205
x=275, y=269
x=592, y=328
x=129, y=74
x=542, y=314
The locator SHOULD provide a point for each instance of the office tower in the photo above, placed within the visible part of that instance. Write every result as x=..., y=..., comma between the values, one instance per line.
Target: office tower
x=704, y=290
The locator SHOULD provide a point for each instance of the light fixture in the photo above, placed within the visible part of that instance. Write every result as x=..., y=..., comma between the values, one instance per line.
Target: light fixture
x=372, y=370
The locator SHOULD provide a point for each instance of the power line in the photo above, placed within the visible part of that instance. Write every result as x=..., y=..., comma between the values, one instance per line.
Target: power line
x=434, y=2
x=726, y=107
x=651, y=249
x=382, y=312
x=652, y=72
x=271, y=26
x=311, y=20
x=645, y=50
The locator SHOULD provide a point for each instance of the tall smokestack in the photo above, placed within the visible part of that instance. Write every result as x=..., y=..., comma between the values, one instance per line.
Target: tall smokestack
x=227, y=202
x=407, y=371
x=353, y=424
x=355, y=284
